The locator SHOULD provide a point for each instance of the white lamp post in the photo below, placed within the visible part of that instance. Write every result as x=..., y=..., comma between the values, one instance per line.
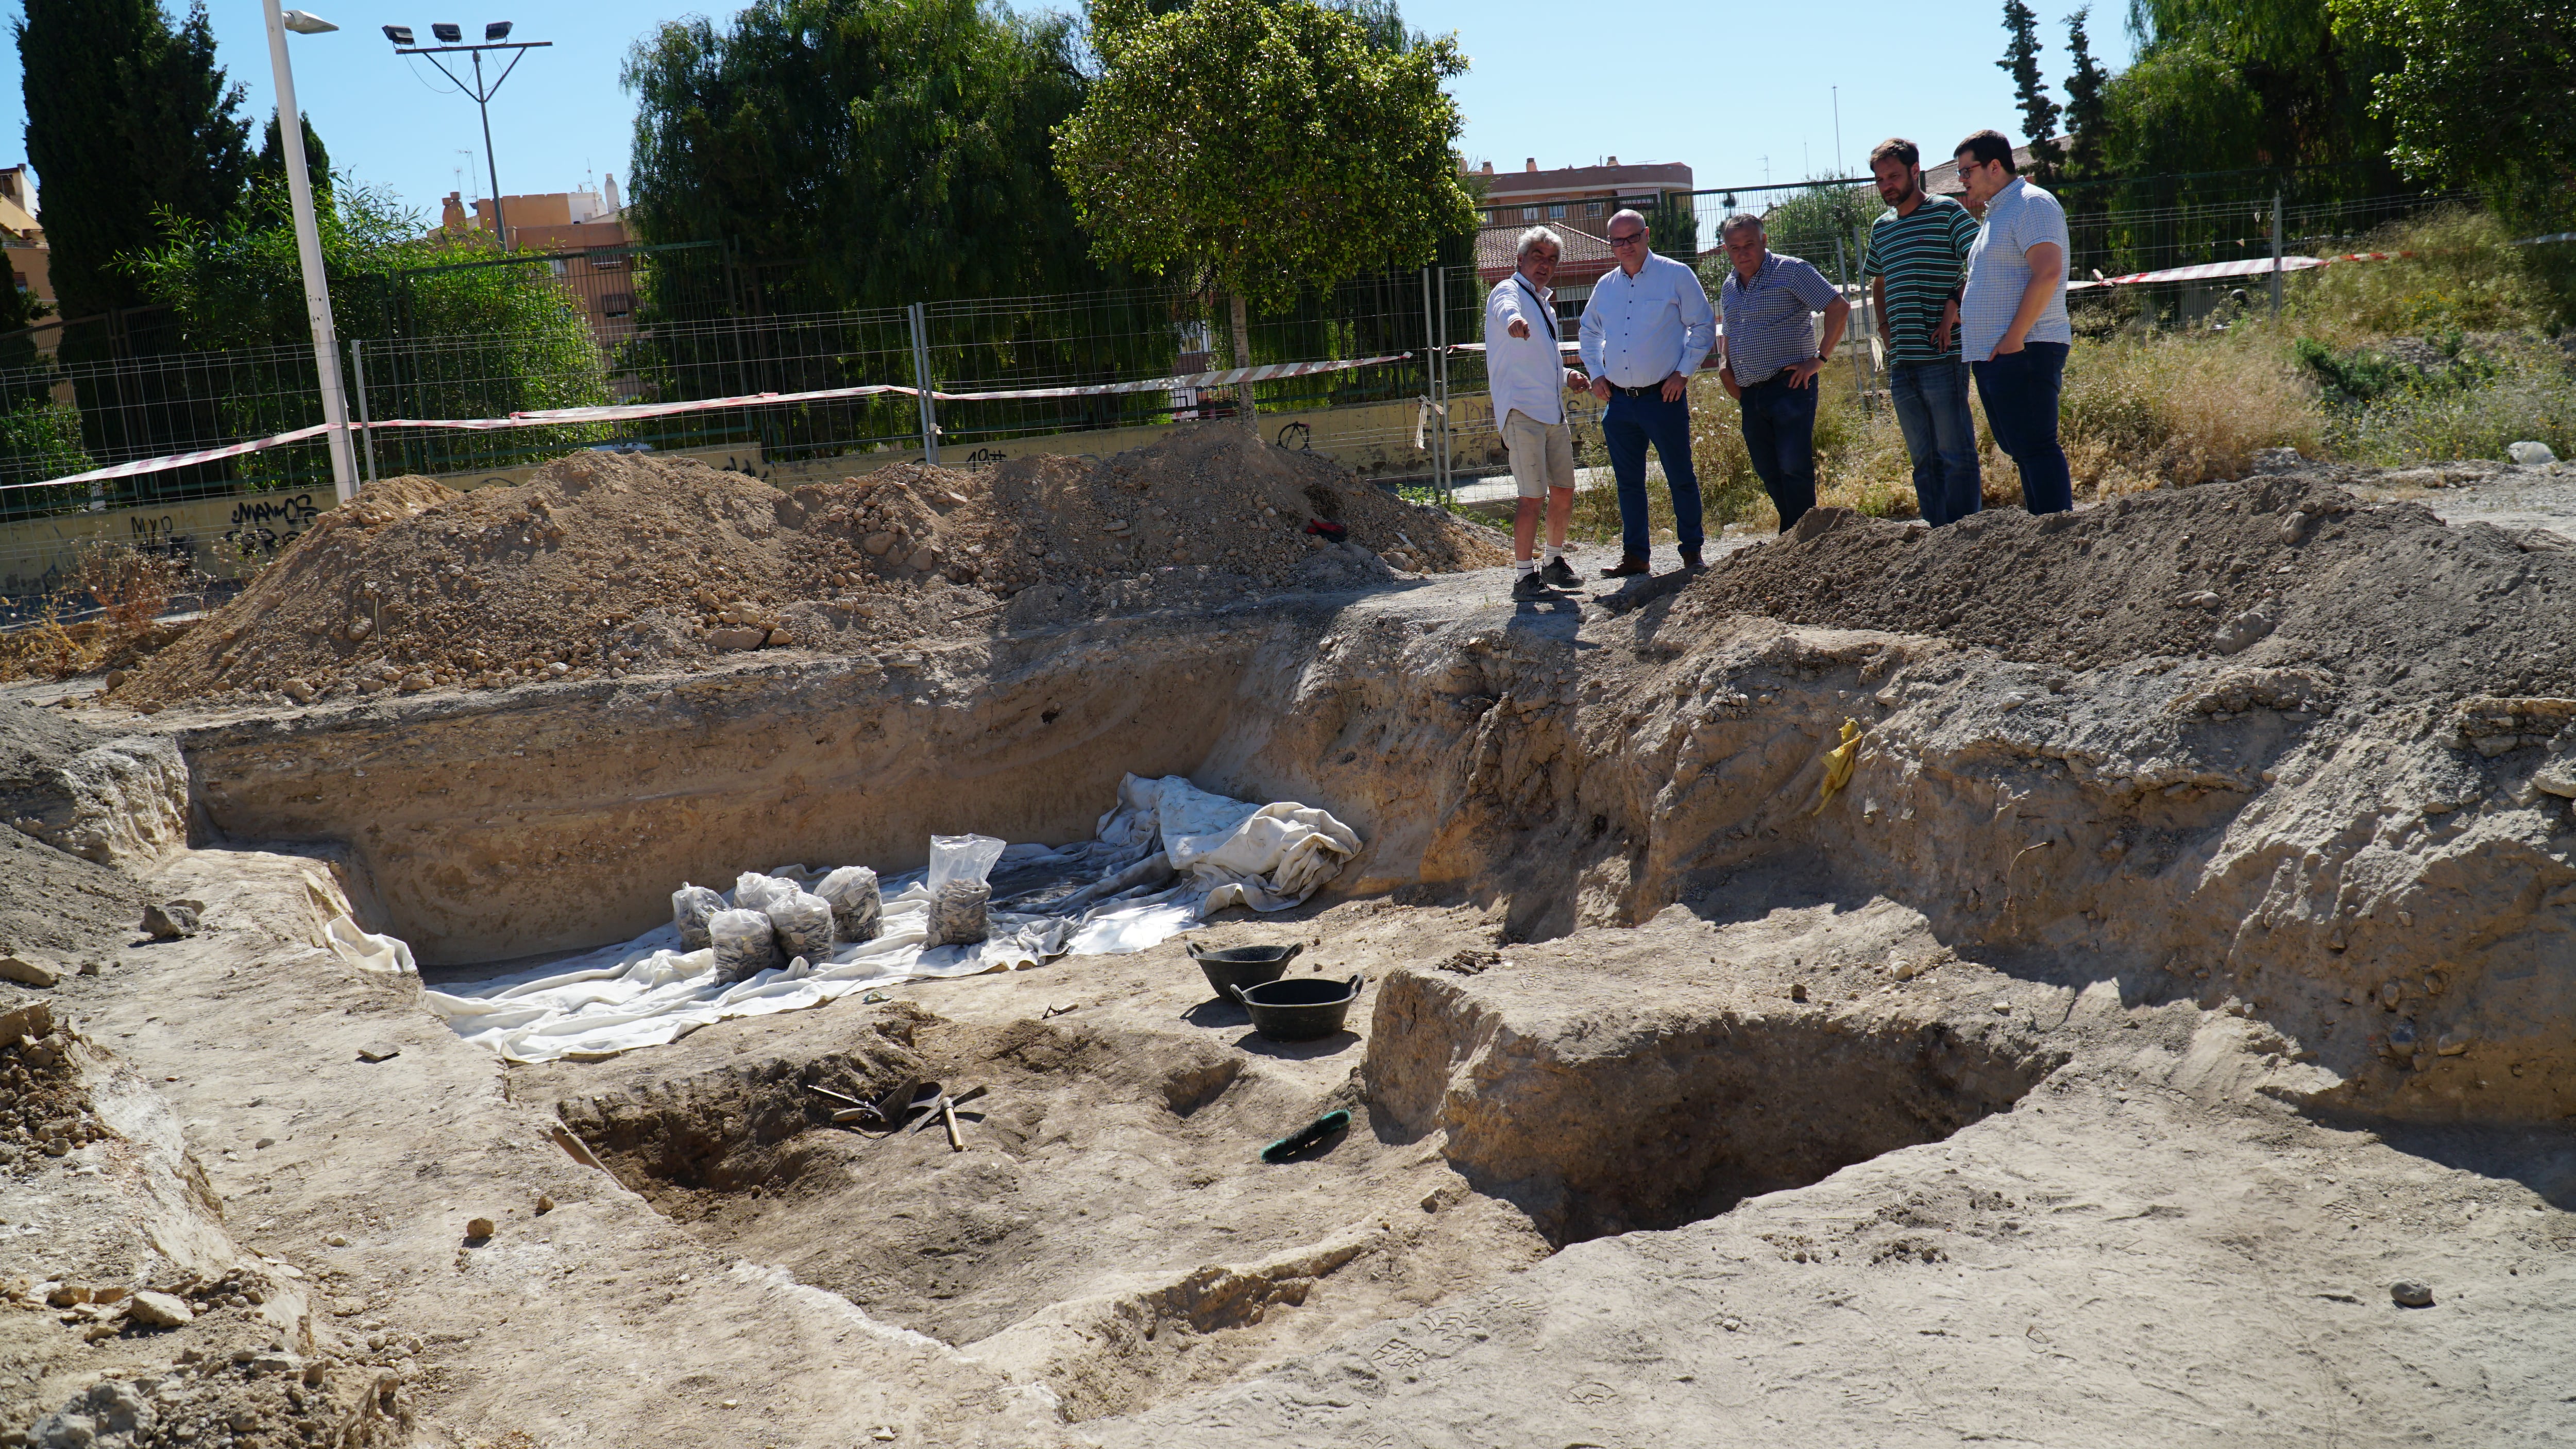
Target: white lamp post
x=308, y=245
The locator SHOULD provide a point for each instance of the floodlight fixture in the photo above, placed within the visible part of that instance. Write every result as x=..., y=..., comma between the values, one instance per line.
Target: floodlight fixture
x=305, y=22
x=496, y=36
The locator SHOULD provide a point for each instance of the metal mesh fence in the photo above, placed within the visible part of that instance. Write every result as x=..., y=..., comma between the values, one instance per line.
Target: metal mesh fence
x=646, y=327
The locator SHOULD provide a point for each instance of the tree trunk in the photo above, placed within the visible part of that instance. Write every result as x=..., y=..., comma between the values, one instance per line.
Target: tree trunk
x=1242, y=358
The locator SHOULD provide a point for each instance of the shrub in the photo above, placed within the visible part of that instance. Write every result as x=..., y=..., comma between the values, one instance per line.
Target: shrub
x=2453, y=268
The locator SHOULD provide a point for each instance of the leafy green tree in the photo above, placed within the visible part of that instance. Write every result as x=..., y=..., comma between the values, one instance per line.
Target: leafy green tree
x=2479, y=90
x=126, y=116
x=481, y=334
x=271, y=165
x=2224, y=85
x=39, y=437
x=900, y=148
x=2084, y=103
x=2038, y=112
x=1266, y=149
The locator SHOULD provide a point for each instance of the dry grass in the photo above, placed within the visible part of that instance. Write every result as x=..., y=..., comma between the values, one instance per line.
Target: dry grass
x=2175, y=410
x=2138, y=413
x=128, y=586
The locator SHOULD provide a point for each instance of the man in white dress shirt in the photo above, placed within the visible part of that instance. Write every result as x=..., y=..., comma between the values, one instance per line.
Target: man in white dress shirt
x=1646, y=329
x=1525, y=369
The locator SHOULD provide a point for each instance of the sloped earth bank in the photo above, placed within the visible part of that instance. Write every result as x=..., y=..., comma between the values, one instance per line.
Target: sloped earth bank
x=2085, y=1071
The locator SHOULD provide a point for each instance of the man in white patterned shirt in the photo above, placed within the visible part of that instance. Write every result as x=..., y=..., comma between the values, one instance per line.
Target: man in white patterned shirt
x=1646, y=329
x=2012, y=317
x=1525, y=371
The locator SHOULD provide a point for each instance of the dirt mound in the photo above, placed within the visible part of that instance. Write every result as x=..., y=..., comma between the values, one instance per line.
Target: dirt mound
x=2278, y=571
x=603, y=563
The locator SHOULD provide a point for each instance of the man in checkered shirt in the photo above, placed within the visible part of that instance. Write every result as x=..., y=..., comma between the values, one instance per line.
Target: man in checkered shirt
x=2012, y=317
x=1772, y=358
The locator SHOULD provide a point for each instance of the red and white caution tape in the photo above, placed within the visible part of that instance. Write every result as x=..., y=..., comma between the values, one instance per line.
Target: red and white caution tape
x=628, y=412
x=182, y=460
x=1227, y=378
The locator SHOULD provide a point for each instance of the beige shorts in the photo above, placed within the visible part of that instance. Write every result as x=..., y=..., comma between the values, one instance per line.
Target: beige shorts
x=1542, y=454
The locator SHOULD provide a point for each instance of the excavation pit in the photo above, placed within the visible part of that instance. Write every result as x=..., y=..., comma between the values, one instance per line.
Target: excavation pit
x=1109, y=1230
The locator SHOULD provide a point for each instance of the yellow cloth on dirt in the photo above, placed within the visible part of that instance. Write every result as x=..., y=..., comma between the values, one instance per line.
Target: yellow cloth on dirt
x=1838, y=765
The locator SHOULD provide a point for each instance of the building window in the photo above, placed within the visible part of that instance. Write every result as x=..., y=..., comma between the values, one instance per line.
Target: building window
x=1556, y=212
x=1529, y=213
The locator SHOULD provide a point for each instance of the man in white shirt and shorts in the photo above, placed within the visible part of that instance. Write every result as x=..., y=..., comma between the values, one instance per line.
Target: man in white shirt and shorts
x=1525, y=370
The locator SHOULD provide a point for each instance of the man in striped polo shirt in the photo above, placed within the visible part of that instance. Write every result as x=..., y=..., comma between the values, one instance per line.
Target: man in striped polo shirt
x=1917, y=255
x=1772, y=358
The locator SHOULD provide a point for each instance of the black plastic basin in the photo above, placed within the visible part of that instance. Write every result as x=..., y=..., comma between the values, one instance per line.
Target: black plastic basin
x=1301, y=1008
x=1244, y=965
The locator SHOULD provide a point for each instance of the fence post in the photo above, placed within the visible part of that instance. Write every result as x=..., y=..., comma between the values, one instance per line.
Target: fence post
x=921, y=383
x=1842, y=279
x=2276, y=253
x=366, y=423
x=1440, y=293
x=1431, y=359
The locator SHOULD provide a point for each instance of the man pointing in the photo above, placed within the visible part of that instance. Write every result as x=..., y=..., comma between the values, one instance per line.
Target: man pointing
x=1646, y=329
x=1529, y=377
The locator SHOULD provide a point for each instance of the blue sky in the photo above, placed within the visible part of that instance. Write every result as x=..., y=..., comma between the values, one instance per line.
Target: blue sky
x=1741, y=92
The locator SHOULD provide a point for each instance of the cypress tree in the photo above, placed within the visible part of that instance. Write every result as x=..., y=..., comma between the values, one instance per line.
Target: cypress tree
x=2038, y=112
x=270, y=168
x=2084, y=104
x=126, y=115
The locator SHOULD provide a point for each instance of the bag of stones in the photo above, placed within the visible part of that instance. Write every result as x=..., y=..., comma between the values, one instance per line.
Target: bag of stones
x=857, y=905
x=692, y=906
x=745, y=944
x=803, y=926
x=958, y=894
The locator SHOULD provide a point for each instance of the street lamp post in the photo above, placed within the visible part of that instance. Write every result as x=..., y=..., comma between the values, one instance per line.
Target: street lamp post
x=308, y=246
x=496, y=36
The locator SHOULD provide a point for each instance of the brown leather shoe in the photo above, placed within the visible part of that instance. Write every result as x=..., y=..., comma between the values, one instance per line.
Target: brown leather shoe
x=1629, y=566
x=1691, y=560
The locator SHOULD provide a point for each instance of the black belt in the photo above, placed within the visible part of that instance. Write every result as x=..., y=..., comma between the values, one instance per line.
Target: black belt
x=1652, y=389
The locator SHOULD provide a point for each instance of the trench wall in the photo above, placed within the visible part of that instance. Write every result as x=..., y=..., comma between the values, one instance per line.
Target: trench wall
x=2399, y=909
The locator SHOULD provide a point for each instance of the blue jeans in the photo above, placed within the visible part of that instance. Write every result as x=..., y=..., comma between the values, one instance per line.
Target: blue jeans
x=1627, y=426
x=1932, y=409
x=2019, y=390
x=1780, y=434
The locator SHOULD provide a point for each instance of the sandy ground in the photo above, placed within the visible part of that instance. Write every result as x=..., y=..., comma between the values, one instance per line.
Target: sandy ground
x=1683, y=1112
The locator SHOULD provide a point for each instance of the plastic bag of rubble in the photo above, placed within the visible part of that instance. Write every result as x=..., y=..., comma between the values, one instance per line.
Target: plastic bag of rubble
x=958, y=893
x=753, y=891
x=856, y=902
x=691, y=906
x=744, y=942
x=803, y=926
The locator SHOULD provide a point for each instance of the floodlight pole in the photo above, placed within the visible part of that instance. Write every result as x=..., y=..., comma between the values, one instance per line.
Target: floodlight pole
x=308, y=251
x=482, y=95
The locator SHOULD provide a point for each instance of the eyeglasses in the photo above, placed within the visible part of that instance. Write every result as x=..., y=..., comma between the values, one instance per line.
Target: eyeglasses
x=1630, y=238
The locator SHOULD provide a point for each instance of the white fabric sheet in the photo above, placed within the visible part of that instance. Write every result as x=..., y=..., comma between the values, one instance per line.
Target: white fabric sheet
x=1166, y=857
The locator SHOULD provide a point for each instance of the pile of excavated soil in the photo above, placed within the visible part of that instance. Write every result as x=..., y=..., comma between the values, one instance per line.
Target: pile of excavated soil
x=2279, y=571
x=53, y=904
x=603, y=563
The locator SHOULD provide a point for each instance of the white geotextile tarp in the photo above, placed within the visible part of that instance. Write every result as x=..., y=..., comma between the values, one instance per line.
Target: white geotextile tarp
x=1169, y=855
